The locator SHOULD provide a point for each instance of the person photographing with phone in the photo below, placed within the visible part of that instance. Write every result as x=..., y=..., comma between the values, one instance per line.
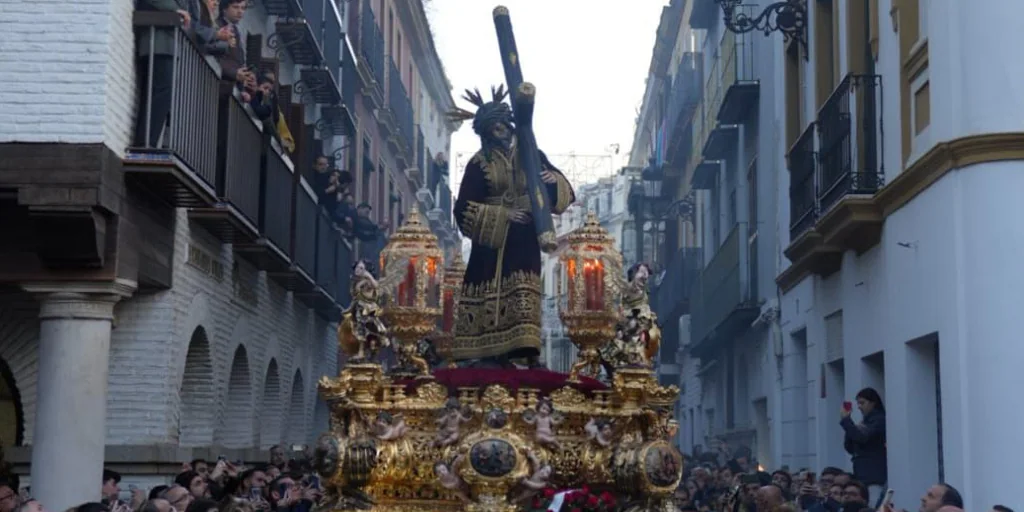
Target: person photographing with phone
x=865, y=442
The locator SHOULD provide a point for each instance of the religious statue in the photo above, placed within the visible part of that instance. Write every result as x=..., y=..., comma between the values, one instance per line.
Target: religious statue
x=500, y=306
x=540, y=473
x=388, y=427
x=451, y=481
x=362, y=332
x=544, y=419
x=637, y=336
x=600, y=432
x=450, y=421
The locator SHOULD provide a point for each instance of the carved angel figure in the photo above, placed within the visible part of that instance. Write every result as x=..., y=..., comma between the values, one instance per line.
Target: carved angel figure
x=544, y=419
x=450, y=423
x=388, y=427
x=540, y=473
x=451, y=481
x=600, y=432
x=362, y=332
x=637, y=336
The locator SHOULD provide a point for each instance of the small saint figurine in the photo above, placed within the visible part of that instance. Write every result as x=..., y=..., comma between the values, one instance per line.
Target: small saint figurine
x=388, y=427
x=450, y=421
x=451, y=481
x=536, y=482
x=600, y=432
x=545, y=420
x=362, y=332
x=637, y=336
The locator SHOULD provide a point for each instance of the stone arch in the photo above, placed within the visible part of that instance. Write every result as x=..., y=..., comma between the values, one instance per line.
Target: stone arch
x=271, y=408
x=295, y=421
x=236, y=428
x=19, y=360
x=12, y=414
x=198, y=394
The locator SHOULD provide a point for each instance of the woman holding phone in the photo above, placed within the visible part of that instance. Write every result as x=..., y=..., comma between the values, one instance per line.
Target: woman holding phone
x=865, y=442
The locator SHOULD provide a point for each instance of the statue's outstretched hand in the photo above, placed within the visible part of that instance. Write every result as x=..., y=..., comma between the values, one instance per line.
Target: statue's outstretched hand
x=519, y=216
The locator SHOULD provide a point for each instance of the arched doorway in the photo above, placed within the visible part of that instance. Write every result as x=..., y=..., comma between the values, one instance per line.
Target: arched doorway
x=12, y=417
x=196, y=416
x=295, y=422
x=236, y=430
x=270, y=410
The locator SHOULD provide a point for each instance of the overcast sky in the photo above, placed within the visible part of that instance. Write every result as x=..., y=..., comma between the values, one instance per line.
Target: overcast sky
x=588, y=59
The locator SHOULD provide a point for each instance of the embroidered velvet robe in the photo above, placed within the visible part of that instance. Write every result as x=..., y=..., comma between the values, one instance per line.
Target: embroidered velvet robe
x=499, y=313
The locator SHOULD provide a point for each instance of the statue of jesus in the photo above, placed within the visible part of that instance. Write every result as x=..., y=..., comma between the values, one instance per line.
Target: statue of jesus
x=499, y=318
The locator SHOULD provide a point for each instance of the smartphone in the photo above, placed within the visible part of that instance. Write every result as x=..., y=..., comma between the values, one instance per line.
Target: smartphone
x=255, y=494
x=133, y=487
x=222, y=458
x=314, y=481
x=848, y=406
x=887, y=500
x=810, y=477
x=298, y=447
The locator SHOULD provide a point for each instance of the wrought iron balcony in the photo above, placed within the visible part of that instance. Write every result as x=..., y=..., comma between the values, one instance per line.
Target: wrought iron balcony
x=304, y=235
x=687, y=89
x=742, y=88
x=803, y=200
x=343, y=270
x=401, y=109
x=301, y=36
x=725, y=303
x=371, y=45
x=849, y=141
x=672, y=297
x=181, y=168
x=235, y=217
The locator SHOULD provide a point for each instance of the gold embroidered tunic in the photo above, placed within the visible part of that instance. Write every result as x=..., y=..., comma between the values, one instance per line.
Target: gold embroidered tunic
x=500, y=307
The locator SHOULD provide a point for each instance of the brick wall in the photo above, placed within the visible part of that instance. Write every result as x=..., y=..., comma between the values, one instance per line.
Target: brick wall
x=61, y=81
x=212, y=384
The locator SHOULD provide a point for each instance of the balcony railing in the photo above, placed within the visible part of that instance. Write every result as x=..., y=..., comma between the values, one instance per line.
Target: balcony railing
x=687, y=88
x=850, y=140
x=725, y=301
x=401, y=107
x=276, y=211
x=803, y=201
x=349, y=77
x=239, y=159
x=371, y=42
x=738, y=81
x=342, y=270
x=189, y=142
x=326, y=249
x=304, y=240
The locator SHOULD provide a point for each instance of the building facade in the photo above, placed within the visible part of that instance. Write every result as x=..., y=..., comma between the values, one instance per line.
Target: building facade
x=895, y=253
x=176, y=297
x=700, y=165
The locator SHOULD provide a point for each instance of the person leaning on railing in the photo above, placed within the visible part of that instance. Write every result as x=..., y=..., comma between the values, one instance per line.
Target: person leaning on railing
x=234, y=72
x=265, y=105
x=212, y=39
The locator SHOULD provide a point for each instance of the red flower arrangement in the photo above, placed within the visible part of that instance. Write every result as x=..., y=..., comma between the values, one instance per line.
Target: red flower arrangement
x=581, y=500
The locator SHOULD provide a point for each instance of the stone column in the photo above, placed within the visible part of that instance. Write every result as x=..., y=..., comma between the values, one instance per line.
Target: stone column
x=69, y=433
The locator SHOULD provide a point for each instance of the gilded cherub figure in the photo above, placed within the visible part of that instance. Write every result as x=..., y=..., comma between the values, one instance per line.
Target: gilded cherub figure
x=545, y=419
x=600, y=432
x=388, y=427
x=451, y=481
x=450, y=423
x=540, y=473
x=362, y=333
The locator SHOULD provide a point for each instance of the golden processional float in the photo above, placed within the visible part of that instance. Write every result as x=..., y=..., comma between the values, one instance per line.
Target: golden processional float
x=413, y=438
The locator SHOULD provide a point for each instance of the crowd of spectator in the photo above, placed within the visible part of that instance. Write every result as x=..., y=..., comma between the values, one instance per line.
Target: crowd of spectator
x=213, y=25
x=334, y=193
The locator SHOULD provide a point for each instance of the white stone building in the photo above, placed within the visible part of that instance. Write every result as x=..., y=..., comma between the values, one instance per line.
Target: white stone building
x=169, y=302
x=898, y=254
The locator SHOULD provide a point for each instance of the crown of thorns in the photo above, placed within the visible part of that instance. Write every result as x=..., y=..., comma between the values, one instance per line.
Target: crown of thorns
x=487, y=112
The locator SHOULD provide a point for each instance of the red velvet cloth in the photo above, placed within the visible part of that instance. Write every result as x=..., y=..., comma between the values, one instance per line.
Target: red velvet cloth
x=542, y=380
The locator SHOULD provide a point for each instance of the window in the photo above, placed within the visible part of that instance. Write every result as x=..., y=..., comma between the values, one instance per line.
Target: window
x=794, y=93
x=915, y=93
x=826, y=50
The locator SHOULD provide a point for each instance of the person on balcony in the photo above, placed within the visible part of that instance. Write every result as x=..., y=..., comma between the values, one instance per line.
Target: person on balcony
x=345, y=216
x=156, y=45
x=264, y=104
x=371, y=236
x=213, y=39
x=234, y=72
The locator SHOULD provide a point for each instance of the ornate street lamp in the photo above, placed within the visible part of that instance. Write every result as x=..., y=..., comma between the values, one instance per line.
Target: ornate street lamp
x=593, y=267
x=788, y=17
x=413, y=270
